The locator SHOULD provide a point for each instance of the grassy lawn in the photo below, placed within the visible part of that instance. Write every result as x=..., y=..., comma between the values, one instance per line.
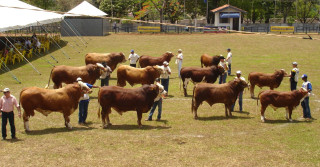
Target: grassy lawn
x=177, y=140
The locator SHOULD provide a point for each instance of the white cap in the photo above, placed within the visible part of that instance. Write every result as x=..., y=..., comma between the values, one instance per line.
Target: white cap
x=165, y=63
x=238, y=72
x=79, y=79
x=295, y=63
x=6, y=90
x=179, y=50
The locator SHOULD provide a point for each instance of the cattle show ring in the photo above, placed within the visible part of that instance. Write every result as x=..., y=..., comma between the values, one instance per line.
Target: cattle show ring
x=197, y=126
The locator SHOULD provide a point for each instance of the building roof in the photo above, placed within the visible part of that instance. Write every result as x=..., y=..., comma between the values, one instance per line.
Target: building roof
x=85, y=8
x=225, y=7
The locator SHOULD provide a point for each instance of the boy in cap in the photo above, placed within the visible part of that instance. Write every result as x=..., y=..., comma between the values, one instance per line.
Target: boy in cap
x=133, y=58
x=165, y=76
x=84, y=104
x=157, y=102
x=229, y=60
x=294, y=76
x=179, y=61
x=305, y=103
x=105, y=75
x=238, y=73
x=7, y=102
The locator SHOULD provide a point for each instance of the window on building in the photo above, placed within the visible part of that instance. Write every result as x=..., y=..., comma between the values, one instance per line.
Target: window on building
x=224, y=20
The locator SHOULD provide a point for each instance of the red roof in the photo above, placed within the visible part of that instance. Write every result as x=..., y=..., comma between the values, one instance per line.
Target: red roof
x=226, y=6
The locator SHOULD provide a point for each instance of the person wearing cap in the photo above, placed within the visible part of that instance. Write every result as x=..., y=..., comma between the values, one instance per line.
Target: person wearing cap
x=238, y=73
x=105, y=75
x=224, y=64
x=305, y=103
x=133, y=58
x=157, y=102
x=229, y=60
x=7, y=103
x=179, y=61
x=165, y=75
x=84, y=104
x=294, y=76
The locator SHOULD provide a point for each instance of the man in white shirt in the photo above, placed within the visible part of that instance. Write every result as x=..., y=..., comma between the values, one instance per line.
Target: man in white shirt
x=157, y=102
x=133, y=58
x=229, y=60
x=241, y=93
x=106, y=75
x=224, y=64
x=165, y=75
x=179, y=61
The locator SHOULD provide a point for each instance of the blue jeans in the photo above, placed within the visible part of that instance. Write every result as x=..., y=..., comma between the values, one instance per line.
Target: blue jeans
x=105, y=82
x=306, y=108
x=165, y=84
x=223, y=78
x=293, y=85
x=229, y=70
x=155, y=104
x=83, y=110
x=5, y=117
x=179, y=68
x=240, y=102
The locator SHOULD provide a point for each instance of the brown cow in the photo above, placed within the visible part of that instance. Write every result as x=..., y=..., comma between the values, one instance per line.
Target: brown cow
x=289, y=100
x=217, y=93
x=207, y=60
x=145, y=60
x=197, y=74
x=137, y=75
x=262, y=79
x=64, y=100
x=68, y=74
x=112, y=59
x=122, y=100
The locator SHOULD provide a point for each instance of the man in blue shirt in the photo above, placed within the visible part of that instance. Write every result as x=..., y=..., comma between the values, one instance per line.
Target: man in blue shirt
x=305, y=103
x=83, y=104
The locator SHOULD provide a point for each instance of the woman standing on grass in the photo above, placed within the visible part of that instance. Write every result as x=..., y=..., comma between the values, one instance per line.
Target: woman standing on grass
x=179, y=61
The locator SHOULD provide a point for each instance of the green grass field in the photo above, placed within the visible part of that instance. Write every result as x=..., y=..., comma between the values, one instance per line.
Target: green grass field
x=177, y=140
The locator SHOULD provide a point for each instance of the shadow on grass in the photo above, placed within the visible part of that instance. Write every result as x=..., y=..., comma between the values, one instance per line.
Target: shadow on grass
x=283, y=121
x=242, y=112
x=57, y=130
x=136, y=127
x=212, y=118
x=12, y=140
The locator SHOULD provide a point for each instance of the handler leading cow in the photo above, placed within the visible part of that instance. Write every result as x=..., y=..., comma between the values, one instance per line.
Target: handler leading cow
x=64, y=100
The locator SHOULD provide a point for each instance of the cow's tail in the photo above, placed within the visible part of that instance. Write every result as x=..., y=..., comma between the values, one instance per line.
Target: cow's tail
x=193, y=99
x=258, y=97
x=138, y=63
x=47, y=86
x=180, y=83
x=99, y=113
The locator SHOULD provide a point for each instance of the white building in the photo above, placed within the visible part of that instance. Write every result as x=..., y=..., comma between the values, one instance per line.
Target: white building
x=228, y=16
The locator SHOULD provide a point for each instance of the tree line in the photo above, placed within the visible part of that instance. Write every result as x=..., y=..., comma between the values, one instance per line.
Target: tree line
x=258, y=11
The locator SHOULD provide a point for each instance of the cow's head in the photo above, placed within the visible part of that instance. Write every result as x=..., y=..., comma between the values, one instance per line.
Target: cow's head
x=219, y=69
x=153, y=89
x=240, y=84
x=304, y=92
x=168, y=55
x=159, y=69
x=121, y=57
x=281, y=72
x=84, y=88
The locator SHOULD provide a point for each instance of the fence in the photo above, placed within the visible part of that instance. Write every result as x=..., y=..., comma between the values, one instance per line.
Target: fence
x=298, y=28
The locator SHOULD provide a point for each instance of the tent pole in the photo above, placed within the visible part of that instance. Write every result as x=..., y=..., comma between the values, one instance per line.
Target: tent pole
x=8, y=70
x=75, y=34
x=23, y=56
x=72, y=39
x=55, y=42
x=74, y=27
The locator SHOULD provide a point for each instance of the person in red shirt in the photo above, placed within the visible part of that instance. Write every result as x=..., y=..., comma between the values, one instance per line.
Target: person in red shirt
x=7, y=102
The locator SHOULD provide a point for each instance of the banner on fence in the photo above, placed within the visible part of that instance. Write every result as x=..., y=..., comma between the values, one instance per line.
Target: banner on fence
x=282, y=29
x=148, y=29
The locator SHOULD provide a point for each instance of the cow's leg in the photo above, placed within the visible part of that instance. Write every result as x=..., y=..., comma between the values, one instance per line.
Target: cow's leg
x=194, y=107
x=287, y=113
x=271, y=88
x=225, y=107
x=105, y=116
x=263, y=109
x=26, y=120
x=290, y=113
x=139, y=115
x=252, y=90
x=67, y=120
x=185, y=85
x=229, y=108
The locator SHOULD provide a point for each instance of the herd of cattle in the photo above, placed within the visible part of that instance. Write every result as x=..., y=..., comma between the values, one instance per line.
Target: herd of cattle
x=65, y=99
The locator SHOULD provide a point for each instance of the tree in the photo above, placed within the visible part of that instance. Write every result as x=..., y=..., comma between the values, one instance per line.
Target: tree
x=116, y=8
x=44, y=4
x=174, y=11
x=286, y=8
x=159, y=5
x=307, y=10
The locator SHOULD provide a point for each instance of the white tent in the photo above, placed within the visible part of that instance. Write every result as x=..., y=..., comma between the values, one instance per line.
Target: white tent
x=85, y=8
x=16, y=15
